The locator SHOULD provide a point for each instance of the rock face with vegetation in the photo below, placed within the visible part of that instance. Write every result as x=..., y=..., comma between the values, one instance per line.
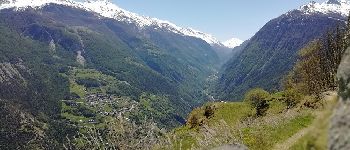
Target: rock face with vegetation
x=340, y=125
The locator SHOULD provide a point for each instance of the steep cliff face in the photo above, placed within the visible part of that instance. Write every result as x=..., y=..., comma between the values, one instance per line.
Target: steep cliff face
x=340, y=124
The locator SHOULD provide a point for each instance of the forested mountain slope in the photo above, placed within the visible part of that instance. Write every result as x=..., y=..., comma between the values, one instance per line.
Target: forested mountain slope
x=64, y=68
x=272, y=51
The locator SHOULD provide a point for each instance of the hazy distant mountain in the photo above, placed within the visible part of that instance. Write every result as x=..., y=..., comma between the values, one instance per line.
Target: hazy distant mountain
x=230, y=49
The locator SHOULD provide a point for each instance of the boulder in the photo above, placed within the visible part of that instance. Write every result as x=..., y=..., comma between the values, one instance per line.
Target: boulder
x=339, y=137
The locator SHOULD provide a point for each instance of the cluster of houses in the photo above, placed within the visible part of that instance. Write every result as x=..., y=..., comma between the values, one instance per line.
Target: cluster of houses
x=118, y=105
x=94, y=100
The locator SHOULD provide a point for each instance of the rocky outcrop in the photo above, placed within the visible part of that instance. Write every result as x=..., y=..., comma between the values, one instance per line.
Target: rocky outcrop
x=231, y=147
x=13, y=73
x=339, y=138
x=9, y=72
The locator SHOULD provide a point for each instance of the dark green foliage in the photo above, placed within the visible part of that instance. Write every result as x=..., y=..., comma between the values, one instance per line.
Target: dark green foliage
x=209, y=111
x=35, y=92
x=196, y=118
x=200, y=116
x=157, y=108
x=291, y=97
x=11, y=127
x=90, y=83
x=60, y=130
x=72, y=96
x=258, y=99
x=81, y=110
x=162, y=71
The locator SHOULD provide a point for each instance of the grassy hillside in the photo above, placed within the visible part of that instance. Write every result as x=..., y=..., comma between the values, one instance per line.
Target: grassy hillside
x=222, y=123
x=317, y=136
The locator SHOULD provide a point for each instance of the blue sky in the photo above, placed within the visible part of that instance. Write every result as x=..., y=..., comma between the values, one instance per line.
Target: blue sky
x=222, y=18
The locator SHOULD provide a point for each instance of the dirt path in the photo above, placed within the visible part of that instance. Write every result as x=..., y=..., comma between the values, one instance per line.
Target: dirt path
x=319, y=115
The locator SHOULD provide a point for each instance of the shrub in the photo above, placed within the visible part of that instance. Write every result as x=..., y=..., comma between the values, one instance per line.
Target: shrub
x=89, y=83
x=194, y=121
x=209, y=111
x=312, y=102
x=291, y=97
x=196, y=118
x=257, y=99
x=72, y=96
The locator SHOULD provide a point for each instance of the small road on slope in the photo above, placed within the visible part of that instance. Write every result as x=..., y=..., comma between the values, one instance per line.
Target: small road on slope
x=330, y=96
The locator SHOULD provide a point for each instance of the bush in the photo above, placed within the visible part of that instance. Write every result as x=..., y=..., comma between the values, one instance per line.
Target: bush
x=89, y=83
x=196, y=118
x=291, y=97
x=72, y=96
x=200, y=116
x=195, y=121
x=257, y=99
x=209, y=111
x=312, y=102
x=86, y=112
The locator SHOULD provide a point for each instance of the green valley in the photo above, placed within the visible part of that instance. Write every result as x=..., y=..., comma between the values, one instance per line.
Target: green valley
x=90, y=75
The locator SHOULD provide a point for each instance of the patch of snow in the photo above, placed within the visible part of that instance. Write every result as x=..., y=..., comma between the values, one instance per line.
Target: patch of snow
x=232, y=43
x=109, y=10
x=206, y=37
x=24, y=4
x=331, y=6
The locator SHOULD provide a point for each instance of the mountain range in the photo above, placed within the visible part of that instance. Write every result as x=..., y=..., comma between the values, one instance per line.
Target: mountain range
x=67, y=65
x=109, y=10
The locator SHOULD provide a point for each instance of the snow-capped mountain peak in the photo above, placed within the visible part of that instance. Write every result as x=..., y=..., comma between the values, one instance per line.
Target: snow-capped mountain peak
x=330, y=6
x=204, y=36
x=23, y=4
x=232, y=43
x=109, y=10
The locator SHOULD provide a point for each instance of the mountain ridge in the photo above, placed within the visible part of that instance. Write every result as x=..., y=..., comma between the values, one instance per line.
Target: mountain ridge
x=331, y=6
x=109, y=10
x=272, y=51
